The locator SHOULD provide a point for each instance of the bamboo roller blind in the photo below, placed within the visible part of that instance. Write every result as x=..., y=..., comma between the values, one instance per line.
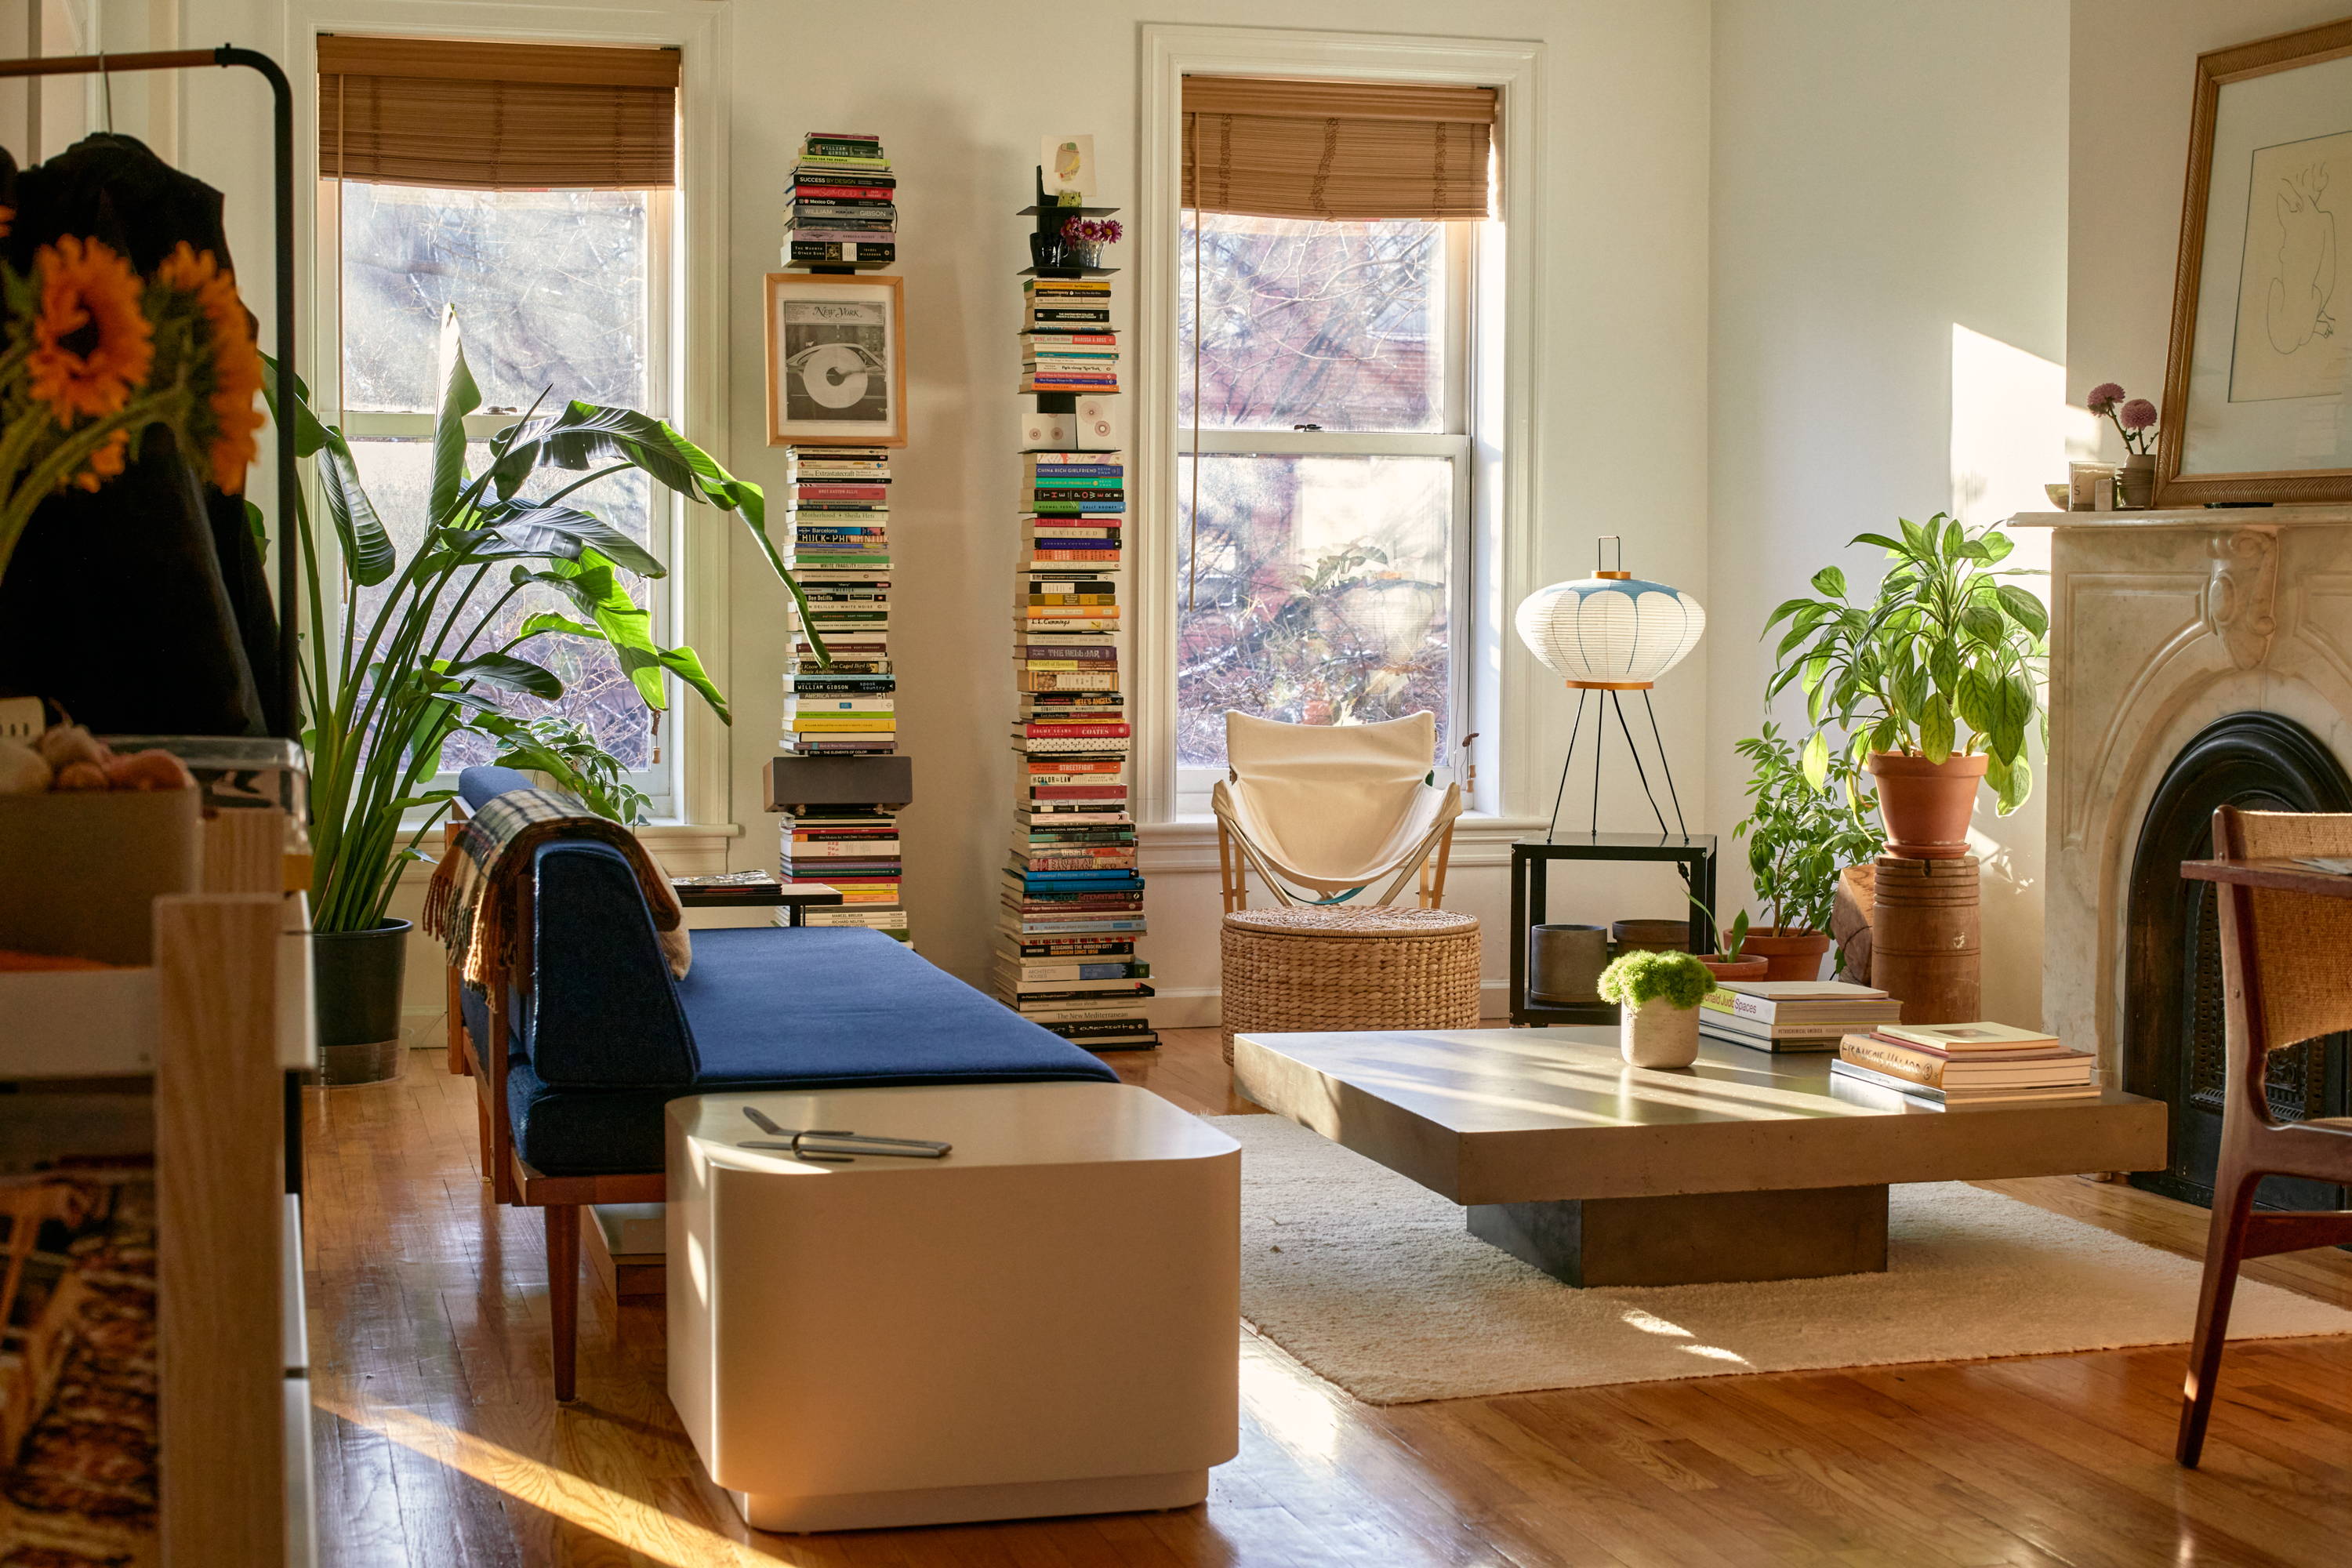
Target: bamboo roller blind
x=430, y=112
x=1359, y=151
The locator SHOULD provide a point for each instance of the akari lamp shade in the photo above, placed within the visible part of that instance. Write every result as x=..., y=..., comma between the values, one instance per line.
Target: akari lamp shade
x=1611, y=631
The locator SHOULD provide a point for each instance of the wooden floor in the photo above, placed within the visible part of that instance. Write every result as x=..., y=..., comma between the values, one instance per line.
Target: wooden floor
x=438, y=1443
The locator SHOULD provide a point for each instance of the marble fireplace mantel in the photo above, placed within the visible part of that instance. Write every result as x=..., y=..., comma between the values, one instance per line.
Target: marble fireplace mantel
x=2162, y=621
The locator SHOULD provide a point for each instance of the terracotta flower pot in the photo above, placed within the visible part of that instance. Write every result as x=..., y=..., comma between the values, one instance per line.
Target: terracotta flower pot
x=1747, y=967
x=1651, y=936
x=1788, y=954
x=1657, y=1033
x=1926, y=805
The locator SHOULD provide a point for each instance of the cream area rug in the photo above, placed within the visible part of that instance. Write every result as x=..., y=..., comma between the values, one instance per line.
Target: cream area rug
x=1373, y=1282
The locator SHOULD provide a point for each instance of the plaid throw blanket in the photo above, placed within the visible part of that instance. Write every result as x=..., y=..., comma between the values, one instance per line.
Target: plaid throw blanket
x=471, y=904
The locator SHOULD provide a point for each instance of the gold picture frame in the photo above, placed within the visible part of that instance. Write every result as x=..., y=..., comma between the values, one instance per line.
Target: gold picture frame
x=2258, y=370
x=836, y=360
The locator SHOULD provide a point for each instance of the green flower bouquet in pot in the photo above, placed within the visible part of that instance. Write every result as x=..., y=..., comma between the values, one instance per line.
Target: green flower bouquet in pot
x=1657, y=996
x=1935, y=681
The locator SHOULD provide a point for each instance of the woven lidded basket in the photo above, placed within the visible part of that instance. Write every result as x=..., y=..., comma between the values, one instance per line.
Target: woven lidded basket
x=1287, y=970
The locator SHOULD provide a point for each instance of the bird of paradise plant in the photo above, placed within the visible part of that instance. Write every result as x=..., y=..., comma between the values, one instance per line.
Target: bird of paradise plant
x=424, y=658
x=94, y=355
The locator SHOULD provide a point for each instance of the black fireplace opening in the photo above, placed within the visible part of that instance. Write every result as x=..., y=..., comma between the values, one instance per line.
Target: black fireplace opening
x=2173, y=1047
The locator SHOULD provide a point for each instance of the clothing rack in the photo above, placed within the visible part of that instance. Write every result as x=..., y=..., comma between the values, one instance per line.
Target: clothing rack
x=289, y=487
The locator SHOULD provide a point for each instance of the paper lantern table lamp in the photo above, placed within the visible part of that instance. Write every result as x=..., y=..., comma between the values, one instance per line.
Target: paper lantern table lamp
x=1607, y=635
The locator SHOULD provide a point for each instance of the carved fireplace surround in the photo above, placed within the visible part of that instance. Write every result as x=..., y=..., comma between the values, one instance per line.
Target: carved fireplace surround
x=2163, y=622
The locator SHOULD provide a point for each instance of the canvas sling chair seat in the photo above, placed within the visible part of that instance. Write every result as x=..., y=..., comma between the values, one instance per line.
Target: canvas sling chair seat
x=1322, y=812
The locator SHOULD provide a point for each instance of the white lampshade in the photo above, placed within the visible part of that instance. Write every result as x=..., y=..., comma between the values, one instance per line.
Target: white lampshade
x=1611, y=630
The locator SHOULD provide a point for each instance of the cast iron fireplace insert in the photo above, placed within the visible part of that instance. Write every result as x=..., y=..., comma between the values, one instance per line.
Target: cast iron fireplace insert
x=2172, y=968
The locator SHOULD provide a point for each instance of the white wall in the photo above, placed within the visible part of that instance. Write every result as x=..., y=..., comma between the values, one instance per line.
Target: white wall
x=1888, y=312
x=2135, y=62
x=960, y=94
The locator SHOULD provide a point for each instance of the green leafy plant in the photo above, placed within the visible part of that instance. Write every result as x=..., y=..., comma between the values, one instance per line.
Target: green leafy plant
x=1728, y=939
x=567, y=752
x=388, y=680
x=1801, y=833
x=1640, y=977
x=1945, y=660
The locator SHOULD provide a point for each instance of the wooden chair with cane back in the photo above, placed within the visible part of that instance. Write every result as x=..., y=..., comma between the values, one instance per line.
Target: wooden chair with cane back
x=2284, y=969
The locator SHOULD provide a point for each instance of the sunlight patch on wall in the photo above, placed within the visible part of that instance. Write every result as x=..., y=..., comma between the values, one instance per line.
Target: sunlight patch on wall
x=2009, y=427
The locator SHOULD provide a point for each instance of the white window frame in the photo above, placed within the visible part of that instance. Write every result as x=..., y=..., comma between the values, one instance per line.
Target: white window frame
x=659, y=782
x=1453, y=440
x=693, y=740
x=1500, y=680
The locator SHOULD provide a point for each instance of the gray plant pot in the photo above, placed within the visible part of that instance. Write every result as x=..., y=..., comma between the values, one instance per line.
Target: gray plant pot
x=1564, y=964
x=356, y=984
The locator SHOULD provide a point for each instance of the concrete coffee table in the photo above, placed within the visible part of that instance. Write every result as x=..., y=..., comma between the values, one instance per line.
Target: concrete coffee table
x=1744, y=1166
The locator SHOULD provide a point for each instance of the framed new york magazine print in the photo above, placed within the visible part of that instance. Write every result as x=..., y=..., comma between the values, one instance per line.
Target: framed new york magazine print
x=2258, y=379
x=837, y=363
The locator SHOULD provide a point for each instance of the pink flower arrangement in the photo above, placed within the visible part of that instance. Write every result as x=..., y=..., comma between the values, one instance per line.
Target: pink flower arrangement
x=1087, y=231
x=2134, y=419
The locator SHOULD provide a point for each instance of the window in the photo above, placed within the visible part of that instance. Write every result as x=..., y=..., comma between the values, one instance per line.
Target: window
x=1322, y=563
x=1325, y=274
x=562, y=288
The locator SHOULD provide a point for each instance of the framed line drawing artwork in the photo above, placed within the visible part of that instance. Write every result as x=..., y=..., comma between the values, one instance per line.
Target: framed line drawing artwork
x=2258, y=375
x=836, y=360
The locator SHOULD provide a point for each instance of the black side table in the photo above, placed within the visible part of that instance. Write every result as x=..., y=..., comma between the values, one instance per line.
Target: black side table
x=1692, y=853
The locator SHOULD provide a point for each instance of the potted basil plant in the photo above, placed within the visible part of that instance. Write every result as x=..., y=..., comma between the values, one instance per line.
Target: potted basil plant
x=1801, y=836
x=1657, y=996
x=1933, y=681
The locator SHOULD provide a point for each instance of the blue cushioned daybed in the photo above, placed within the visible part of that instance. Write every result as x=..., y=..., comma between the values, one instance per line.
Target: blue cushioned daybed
x=597, y=1037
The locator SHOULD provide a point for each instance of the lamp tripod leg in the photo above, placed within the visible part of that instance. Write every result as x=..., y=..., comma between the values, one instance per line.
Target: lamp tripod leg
x=1573, y=730
x=1640, y=771
x=1664, y=766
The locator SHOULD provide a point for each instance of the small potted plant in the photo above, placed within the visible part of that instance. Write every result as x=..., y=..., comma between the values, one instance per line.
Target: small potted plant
x=1657, y=995
x=1800, y=837
x=2134, y=420
x=1730, y=959
x=1934, y=681
x=1083, y=240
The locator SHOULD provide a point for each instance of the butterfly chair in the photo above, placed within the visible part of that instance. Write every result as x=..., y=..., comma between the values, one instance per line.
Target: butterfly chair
x=2284, y=983
x=1323, y=811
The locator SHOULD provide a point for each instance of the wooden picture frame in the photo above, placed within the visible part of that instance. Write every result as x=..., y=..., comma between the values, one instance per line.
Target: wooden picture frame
x=2258, y=372
x=836, y=360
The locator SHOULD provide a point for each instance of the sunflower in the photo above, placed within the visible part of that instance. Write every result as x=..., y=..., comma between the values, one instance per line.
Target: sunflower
x=227, y=372
x=93, y=344
x=105, y=463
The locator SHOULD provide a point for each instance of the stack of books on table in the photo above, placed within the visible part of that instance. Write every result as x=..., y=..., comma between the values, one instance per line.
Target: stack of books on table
x=1793, y=1014
x=1967, y=1064
x=1073, y=507
x=1066, y=340
x=841, y=209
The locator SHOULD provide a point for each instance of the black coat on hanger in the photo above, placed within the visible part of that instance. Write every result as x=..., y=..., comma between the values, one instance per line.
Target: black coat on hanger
x=143, y=608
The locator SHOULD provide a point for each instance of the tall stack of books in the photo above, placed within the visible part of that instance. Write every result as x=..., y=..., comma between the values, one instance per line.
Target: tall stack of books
x=837, y=523
x=1068, y=344
x=841, y=208
x=1073, y=899
x=1941, y=1064
x=1793, y=1014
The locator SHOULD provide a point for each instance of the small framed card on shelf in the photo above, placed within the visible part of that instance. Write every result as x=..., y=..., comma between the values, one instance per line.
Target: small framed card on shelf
x=836, y=360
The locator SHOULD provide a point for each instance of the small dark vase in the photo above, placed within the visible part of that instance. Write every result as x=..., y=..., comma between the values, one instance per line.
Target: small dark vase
x=355, y=978
x=1047, y=250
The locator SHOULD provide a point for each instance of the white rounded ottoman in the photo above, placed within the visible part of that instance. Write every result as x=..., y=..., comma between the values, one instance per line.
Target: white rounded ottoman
x=1044, y=1322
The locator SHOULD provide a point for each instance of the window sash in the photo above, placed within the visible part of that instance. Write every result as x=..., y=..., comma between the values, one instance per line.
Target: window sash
x=661, y=783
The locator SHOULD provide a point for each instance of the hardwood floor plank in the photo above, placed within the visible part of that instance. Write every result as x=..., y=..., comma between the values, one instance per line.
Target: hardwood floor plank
x=438, y=1441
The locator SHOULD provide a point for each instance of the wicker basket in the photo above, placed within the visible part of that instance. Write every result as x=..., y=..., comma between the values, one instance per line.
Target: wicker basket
x=1289, y=969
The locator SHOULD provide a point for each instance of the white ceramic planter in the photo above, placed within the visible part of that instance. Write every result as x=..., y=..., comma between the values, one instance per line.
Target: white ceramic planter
x=1658, y=1034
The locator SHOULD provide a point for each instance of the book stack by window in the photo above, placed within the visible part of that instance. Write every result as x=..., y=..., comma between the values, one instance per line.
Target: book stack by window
x=838, y=520
x=1793, y=1014
x=1072, y=904
x=841, y=208
x=1067, y=344
x=1944, y=1064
